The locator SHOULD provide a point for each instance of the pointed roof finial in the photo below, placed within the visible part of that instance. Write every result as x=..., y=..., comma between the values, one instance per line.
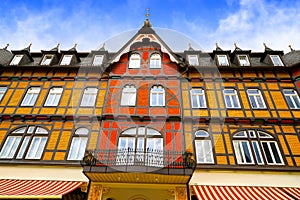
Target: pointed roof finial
x=73, y=48
x=147, y=22
x=218, y=48
x=147, y=13
x=103, y=47
x=266, y=47
x=290, y=46
x=5, y=48
x=55, y=48
x=190, y=47
x=236, y=47
x=28, y=48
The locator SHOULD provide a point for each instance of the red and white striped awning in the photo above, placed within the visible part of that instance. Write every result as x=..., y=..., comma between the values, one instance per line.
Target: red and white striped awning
x=15, y=189
x=244, y=192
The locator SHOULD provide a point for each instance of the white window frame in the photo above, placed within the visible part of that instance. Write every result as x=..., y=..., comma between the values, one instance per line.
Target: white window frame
x=156, y=93
x=89, y=97
x=240, y=152
x=47, y=59
x=128, y=97
x=31, y=96
x=276, y=60
x=78, y=145
x=292, y=98
x=232, y=97
x=193, y=60
x=198, y=98
x=155, y=61
x=223, y=60
x=54, y=96
x=98, y=60
x=134, y=61
x=16, y=60
x=2, y=92
x=9, y=148
x=272, y=153
x=66, y=60
x=243, y=60
x=256, y=100
x=35, y=150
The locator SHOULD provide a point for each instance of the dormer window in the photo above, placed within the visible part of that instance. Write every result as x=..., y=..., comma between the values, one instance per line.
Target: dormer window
x=135, y=61
x=98, y=60
x=47, y=59
x=243, y=60
x=155, y=61
x=193, y=60
x=66, y=60
x=276, y=60
x=222, y=60
x=16, y=60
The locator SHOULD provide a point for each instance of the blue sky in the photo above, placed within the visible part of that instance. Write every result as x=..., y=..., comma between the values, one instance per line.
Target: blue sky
x=89, y=23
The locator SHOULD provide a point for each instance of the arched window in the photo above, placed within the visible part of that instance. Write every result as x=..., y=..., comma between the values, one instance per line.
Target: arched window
x=204, y=153
x=78, y=144
x=128, y=95
x=135, y=61
x=28, y=141
x=155, y=61
x=256, y=147
x=157, y=96
x=140, y=145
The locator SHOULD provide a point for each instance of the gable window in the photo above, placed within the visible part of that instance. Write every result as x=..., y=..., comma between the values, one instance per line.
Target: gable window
x=98, y=60
x=222, y=60
x=157, y=96
x=2, y=92
x=16, y=60
x=292, y=98
x=243, y=60
x=256, y=99
x=78, y=144
x=198, y=98
x=47, y=59
x=66, y=60
x=135, y=61
x=204, y=153
x=33, y=138
x=128, y=96
x=89, y=97
x=31, y=96
x=193, y=60
x=53, y=96
x=276, y=60
x=256, y=147
x=155, y=61
x=231, y=98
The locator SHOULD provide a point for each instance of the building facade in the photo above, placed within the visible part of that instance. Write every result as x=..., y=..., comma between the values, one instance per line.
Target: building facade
x=149, y=123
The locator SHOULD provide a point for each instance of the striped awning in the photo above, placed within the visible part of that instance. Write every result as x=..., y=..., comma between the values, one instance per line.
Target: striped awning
x=244, y=192
x=15, y=189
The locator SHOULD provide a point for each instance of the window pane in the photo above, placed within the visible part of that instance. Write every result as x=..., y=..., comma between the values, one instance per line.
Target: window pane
x=89, y=97
x=193, y=60
x=16, y=60
x=23, y=147
x=267, y=152
x=155, y=61
x=98, y=59
x=31, y=96
x=243, y=60
x=66, y=60
x=247, y=154
x=47, y=60
x=10, y=146
x=53, y=97
x=222, y=59
x=276, y=60
x=275, y=152
x=2, y=92
x=257, y=152
x=135, y=61
x=128, y=97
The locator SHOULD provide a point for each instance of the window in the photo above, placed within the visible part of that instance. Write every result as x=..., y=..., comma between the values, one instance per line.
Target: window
x=140, y=145
x=198, y=98
x=276, y=60
x=193, y=60
x=256, y=147
x=135, y=61
x=66, y=60
x=2, y=92
x=53, y=97
x=98, y=60
x=155, y=61
x=20, y=139
x=157, y=96
x=16, y=60
x=256, y=99
x=222, y=60
x=204, y=153
x=292, y=98
x=47, y=59
x=231, y=98
x=78, y=144
x=243, y=59
x=128, y=95
x=89, y=97
x=31, y=96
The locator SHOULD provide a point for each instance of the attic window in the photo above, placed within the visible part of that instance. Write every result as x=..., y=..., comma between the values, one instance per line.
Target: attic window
x=98, y=59
x=47, y=59
x=193, y=60
x=135, y=61
x=276, y=60
x=222, y=60
x=243, y=59
x=16, y=60
x=66, y=60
